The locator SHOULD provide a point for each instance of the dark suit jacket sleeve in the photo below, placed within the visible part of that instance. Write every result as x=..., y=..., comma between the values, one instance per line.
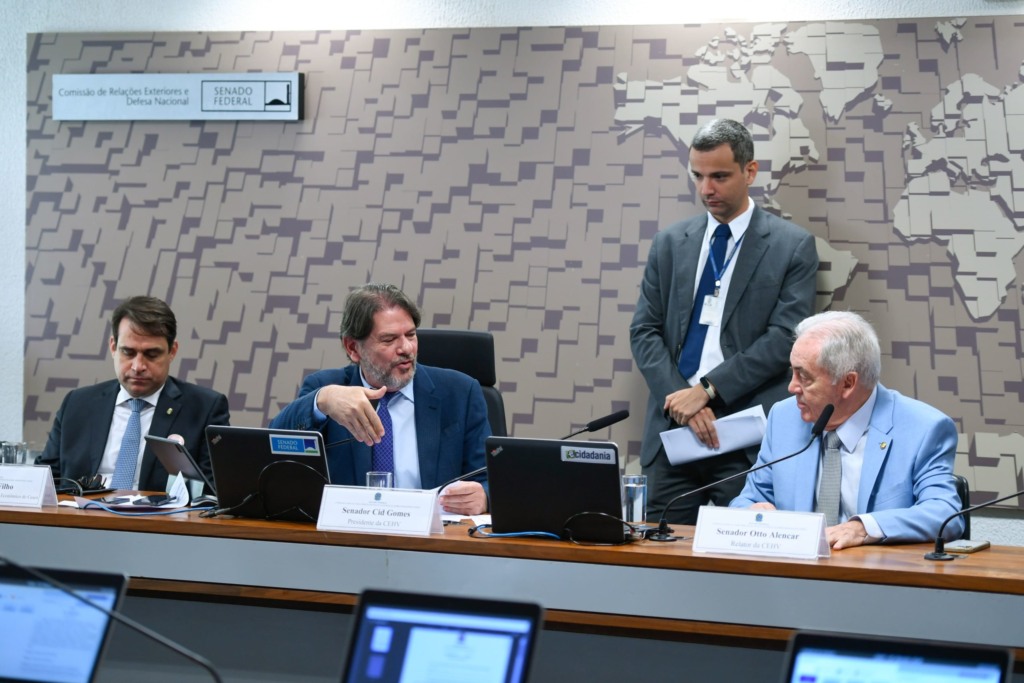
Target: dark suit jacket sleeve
x=653, y=327
x=218, y=414
x=754, y=365
x=478, y=428
x=51, y=452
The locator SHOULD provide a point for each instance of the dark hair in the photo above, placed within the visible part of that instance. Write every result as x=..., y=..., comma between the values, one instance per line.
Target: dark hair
x=148, y=315
x=725, y=132
x=366, y=301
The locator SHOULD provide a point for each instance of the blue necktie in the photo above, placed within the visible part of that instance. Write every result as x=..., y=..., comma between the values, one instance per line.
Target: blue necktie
x=693, y=345
x=384, y=452
x=128, y=456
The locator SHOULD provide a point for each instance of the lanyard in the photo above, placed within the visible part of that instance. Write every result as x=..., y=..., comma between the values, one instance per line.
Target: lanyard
x=728, y=259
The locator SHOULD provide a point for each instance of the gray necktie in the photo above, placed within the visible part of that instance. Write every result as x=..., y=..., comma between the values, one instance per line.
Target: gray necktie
x=831, y=479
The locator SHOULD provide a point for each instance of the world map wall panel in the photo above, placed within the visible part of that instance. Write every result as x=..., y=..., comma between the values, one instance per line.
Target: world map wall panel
x=511, y=180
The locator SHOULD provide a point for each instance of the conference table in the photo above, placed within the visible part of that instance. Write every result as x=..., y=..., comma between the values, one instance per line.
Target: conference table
x=622, y=596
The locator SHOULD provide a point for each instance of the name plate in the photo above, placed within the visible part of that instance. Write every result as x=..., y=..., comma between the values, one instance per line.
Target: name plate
x=766, y=533
x=27, y=486
x=379, y=511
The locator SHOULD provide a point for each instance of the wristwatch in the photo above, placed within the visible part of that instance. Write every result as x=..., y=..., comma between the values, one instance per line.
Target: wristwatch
x=709, y=387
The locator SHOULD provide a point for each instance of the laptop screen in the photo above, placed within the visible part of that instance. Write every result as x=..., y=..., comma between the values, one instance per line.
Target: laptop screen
x=438, y=639
x=817, y=658
x=48, y=635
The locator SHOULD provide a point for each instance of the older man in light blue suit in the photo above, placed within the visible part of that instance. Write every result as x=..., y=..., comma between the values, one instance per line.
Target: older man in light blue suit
x=896, y=453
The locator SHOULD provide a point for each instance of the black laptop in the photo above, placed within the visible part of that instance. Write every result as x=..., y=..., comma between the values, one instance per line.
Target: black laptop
x=568, y=488
x=840, y=658
x=48, y=635
x=268, y=473
x=410, y=636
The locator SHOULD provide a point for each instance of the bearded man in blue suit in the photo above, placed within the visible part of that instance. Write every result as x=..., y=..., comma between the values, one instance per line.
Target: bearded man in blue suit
x=438, y=416
x=896, y=453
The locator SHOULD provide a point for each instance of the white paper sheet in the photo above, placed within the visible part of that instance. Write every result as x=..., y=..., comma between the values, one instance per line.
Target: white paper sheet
x=739, y=430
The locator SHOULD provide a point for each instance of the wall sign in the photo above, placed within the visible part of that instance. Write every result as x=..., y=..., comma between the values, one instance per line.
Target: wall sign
x=177, y=97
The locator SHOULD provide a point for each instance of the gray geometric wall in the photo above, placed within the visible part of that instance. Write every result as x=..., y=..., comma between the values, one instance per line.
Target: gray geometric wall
x=511, y=180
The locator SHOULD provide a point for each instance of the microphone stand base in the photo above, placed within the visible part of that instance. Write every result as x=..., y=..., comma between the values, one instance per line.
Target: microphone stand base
x=939, y=557
x=662, y=536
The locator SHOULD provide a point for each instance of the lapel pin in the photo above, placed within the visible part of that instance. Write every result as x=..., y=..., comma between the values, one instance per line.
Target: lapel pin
x=171, y=410
x=883, y=445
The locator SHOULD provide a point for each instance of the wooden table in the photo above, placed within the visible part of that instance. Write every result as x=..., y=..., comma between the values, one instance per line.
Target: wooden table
x=650, y=590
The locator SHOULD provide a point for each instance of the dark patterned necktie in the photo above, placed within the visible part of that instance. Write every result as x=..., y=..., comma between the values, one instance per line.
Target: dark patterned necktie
x=384, y=452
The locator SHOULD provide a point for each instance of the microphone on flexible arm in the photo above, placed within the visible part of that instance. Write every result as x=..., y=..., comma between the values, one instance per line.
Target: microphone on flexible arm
x=373, y=402
x=664, y=533
x=600, y=423
x=940, y=553
x=119, y=618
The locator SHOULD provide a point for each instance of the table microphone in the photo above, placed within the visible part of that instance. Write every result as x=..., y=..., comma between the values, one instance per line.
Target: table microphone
x=600, y=423
x=940, y=553
x=119, y=618
x=664, y=533
x=373, y=402
x=463, y=477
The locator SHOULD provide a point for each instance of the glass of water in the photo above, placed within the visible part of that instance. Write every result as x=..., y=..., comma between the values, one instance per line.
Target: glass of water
x=634, y=498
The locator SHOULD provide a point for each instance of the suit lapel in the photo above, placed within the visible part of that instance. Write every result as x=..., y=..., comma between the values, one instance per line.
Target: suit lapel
x=166, y=412
x=877, y=446
x=686, y=254
x=98, y=430
x=428, y=425
x=806, y=467
x=752, y=250
x=359, y=455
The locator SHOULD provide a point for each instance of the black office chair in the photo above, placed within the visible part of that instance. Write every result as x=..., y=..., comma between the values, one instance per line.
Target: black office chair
x=963, y=490
x=470, y=352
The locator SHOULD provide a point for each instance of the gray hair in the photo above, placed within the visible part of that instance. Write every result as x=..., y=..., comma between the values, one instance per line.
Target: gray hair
x=366, y=301
x=848, y=344
x=725, y=132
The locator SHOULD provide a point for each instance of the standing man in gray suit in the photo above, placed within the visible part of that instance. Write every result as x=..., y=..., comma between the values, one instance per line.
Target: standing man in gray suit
x=721, y=295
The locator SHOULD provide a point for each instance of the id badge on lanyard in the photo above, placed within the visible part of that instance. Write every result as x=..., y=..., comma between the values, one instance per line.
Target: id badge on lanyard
x=711, y=314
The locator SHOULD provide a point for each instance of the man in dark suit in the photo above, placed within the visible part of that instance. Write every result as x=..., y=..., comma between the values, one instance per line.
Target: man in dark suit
x=94, y=424
x=713, y=327
x=430, y=424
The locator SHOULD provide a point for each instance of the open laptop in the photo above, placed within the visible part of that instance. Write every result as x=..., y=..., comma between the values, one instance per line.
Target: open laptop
x=543, y=484
x=835, y=658
x=268, y=473
x=176, y=459
x=411, y=636
x=48, y=635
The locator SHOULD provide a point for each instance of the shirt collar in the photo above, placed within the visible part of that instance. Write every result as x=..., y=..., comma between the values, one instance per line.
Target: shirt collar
x=857, y=425
x=738, y=226
x=123, y=395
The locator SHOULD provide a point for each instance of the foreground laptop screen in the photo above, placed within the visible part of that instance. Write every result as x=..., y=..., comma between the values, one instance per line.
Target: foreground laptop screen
x=849, y=660
x=47, y=635
x=454, y=643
